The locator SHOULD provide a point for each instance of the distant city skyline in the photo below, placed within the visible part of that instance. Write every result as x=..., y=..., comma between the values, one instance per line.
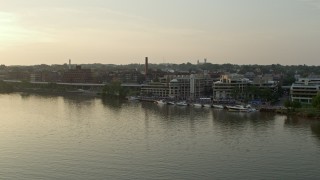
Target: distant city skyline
x=262, y=32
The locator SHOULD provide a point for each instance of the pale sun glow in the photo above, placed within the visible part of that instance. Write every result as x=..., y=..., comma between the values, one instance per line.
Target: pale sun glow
x=175, y=31
x=12, y=34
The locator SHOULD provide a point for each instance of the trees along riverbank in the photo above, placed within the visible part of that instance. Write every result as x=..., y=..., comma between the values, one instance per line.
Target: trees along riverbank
x=296, y=108
x=24, y=86
x=6, y=87
x=250, y=93
x=115, y=89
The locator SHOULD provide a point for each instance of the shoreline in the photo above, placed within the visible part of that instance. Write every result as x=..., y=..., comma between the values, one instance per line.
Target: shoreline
x=308, y=113
x=53, y=93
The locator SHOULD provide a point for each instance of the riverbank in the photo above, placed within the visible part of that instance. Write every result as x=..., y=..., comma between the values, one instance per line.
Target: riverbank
x=310, y=113
x=25, y=92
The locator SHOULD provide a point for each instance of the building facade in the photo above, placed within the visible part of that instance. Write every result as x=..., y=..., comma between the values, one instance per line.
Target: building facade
x=78, y=75
x=45, y=77
x=186, y=87
x=304, y=89
x=224, y=88
x=155, y=90
x=236, y=86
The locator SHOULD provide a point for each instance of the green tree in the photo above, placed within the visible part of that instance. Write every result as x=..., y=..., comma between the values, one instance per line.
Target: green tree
x=266, y=94
x=316, y=101
x=115, y=89
x=292, y=105
x=288, y=80
x=296, y=104
x=5, y=87
x=253, y=91
x=287, y=103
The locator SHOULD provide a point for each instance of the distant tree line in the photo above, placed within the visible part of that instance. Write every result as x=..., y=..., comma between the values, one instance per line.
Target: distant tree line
x=303, y=70
x=115, y=89
x=287, y=72
x=6, y=87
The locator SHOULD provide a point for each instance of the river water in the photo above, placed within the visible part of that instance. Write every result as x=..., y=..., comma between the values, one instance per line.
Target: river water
x=55, y=137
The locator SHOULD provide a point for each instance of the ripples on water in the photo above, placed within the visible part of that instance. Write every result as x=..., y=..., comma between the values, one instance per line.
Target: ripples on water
x=51, y=137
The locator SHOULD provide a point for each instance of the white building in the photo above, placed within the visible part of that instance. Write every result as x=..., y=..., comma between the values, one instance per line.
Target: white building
x=187, y=87
x=230, y=84
x=155, y=89
x=305, y=89
x=223, y=88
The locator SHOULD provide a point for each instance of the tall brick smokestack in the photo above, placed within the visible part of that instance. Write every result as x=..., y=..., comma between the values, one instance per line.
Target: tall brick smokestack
x=146, y=67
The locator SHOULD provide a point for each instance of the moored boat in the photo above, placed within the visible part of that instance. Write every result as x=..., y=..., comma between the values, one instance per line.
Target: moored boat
x=133, y=98
x=161, y=101
x=197, y=105
x=238, y=108
x=170, y=103
x=182, y=103
x=217, y=106
x=251, y=109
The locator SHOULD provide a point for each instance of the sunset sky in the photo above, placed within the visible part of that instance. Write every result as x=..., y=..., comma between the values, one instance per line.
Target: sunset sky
x=167, y=31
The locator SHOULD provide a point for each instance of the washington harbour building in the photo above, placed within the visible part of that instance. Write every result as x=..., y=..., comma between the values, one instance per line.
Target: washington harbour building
x=304, y=89
x=183, y=87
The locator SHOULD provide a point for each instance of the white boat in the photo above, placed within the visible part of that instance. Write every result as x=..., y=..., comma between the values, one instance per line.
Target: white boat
x=197, y=105
x=182, y=103
x=133, y=98
x=170, y=103
x=238, y=108
x=207, y=105
x=161, y=101
x=251, y=109
x=217, y=106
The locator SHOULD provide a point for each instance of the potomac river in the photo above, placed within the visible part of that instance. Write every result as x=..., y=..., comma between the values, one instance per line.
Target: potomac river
x=74, y=137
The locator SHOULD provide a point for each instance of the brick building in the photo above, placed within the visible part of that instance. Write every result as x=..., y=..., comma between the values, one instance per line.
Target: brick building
x=78, y=75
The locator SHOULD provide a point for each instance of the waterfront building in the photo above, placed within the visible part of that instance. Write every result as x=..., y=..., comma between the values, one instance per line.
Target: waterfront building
x=250, y=75
x=266, y=82
x=223, y=89
x=19, y=75
x=155, y=89
x=35, y=77
x=78, y=75
x=304, y=89
x=45, y=77
x=130, y=76
x=236, y=86
x=187, y=86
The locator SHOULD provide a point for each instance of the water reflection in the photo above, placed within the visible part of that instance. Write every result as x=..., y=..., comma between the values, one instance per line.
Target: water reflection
x=67, y=97
x=113, y=103
x=298, y=124
x=90, y=138
x=25, y=95
x=315, y=128
x=175, y=113
x=296, y=121
x=81, y=102
x=176, y=117
x=226, y=118
x=220, y=120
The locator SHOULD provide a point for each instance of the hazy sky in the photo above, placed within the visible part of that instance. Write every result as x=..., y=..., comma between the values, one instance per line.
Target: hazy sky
x=170, y=31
